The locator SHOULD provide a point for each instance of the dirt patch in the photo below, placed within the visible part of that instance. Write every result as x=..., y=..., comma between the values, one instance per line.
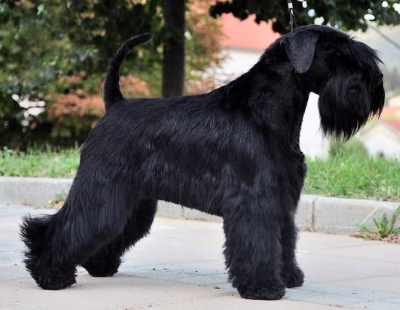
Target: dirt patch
x=375, y=236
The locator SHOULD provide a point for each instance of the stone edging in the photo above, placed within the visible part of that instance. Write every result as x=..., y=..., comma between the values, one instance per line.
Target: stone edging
x=315, y=213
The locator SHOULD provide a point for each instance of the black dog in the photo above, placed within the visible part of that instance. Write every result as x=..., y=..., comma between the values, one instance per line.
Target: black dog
x=233, y=152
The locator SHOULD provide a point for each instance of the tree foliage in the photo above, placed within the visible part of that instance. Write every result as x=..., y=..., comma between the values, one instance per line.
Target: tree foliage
x=347, y=15
x=55, y=52
x=58, y=51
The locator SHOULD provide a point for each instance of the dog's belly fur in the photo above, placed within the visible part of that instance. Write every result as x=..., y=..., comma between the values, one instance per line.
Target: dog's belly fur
x=195, y=155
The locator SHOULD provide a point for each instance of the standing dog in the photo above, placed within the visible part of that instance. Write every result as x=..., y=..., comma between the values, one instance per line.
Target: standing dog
x=233, y=152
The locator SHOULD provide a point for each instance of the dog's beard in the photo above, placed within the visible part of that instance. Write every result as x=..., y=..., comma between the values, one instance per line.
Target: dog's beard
x=378, y=99
x=345, y=105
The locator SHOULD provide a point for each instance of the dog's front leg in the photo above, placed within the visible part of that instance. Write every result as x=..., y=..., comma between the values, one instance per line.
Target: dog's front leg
x=253, y=250
x=291, y=273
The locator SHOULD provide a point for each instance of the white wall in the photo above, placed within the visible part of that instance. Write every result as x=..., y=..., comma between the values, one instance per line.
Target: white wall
x=381, y=140
x=235, y=63
x=312, y=142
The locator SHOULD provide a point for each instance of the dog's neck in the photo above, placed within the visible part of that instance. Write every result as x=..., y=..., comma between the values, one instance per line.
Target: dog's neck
x=259, y=92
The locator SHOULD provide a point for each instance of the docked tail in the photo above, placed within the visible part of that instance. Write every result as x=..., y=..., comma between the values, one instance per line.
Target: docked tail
x=112, y=93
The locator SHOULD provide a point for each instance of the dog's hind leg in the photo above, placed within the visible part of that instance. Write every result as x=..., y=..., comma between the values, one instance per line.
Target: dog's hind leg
x=105, y=262
x=93, y=215
x=291, y=273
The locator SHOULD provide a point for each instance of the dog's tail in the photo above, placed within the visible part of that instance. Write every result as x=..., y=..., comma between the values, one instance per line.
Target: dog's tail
x=33, y=234
x=112, y=93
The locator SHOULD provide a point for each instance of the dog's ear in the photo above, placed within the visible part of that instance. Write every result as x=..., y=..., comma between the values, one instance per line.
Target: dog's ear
x=300, y=49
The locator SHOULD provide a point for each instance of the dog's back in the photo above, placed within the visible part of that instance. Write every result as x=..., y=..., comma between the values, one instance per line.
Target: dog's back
x=148, y=143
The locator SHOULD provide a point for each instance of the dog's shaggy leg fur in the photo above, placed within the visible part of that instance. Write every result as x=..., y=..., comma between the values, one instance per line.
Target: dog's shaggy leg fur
x=36, y=233
x=253, y=249
x=58, y=243
x=292, y=275
x=106, y=261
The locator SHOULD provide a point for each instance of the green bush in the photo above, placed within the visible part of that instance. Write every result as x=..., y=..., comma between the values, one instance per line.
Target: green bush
x=385, y=226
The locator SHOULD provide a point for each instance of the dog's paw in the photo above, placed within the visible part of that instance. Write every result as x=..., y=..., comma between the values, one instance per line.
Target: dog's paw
x=54, y=280
x=293, y=277
x=102, y=268
x=270, y=293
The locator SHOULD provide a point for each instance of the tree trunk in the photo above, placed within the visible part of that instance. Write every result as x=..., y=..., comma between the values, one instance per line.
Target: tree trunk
x=173, y=73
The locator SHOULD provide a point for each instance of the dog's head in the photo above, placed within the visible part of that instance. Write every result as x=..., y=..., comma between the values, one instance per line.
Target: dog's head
x=343, y=71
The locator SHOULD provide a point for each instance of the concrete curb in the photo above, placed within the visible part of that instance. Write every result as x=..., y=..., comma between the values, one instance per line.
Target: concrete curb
x=315, y=213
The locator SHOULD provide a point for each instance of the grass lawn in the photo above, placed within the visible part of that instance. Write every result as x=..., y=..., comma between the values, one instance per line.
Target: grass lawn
x=349, y=172
x=356, y=177
x=39, y=163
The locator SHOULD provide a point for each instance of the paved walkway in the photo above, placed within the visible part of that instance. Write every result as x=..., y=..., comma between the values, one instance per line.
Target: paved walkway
x=180, y=266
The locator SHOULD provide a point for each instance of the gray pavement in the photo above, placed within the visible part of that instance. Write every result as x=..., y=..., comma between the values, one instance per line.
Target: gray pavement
x=180, y=266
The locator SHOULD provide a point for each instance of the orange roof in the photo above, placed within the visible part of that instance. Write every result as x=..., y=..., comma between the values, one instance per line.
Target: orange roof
x=391, y=116
x=391, y=113
x=394, y=124
x=247, y=34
